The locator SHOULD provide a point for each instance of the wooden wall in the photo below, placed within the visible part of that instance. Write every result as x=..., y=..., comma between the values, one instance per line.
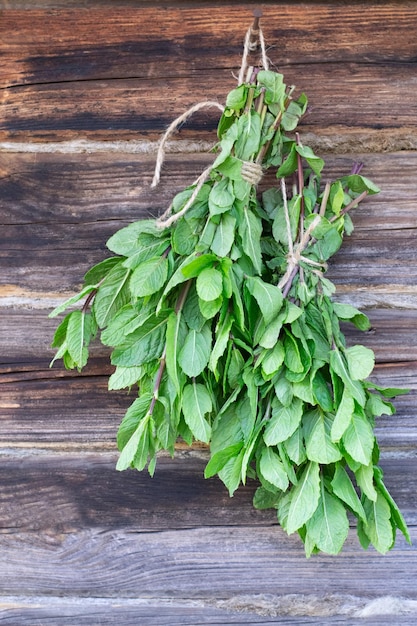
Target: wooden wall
x=86, y=89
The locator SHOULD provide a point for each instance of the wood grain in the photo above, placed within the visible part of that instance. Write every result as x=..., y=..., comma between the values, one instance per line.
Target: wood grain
x=63, y=493
x=77, y=412
x=103, y=42
x=196, y=563
x=86, y=89
x=342, y=98
x=181, y=612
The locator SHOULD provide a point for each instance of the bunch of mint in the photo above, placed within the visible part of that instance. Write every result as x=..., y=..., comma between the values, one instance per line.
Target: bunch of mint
x=225, y=324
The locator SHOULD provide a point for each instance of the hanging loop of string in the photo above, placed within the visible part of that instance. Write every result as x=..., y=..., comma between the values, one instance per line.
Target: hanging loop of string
x=251, y=172
x=253, y=38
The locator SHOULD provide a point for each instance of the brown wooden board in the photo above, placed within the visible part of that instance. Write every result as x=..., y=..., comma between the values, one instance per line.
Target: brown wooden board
x=79, y=490
x=77, y=412
x=98, y=42
x=343, y=98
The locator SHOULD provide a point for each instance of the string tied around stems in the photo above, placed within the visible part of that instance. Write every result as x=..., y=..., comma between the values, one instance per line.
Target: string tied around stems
x=251, y=172
x=295, y=253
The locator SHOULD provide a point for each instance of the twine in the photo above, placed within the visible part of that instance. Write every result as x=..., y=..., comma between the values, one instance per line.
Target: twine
x=252, y=38
x=251, y=172
x=295, y=256
x=179, y=120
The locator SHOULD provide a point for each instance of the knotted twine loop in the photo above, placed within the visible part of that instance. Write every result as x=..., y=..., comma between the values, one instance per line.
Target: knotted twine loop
x=253, y=37
x=173, y=126
x=295, y=255
x=251, y=172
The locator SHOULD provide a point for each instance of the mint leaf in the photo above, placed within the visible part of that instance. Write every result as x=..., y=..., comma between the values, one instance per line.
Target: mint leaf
x=304, y=498
x=195, y=353
x=196, y=403
x=269, y=297
x=328, y=527
x=272, y=469
x=149, y=277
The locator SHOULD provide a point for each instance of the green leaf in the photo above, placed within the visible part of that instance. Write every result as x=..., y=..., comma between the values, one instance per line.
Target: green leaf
x=209, y=284
x=274, y=84
x=360, y=361
x=315, y=162
x=125, y=240
x=195, y=264
x=304, y=498
x=73, y=300
x=339, y=366
x=269, y=297
x=292, y=354
x=175, y=337
x=379, y=528
x=284, y=390
x=111, y=295
x=358, y=439
x=347, y=312
x=284, y=420
x=265, y=499
x=295, y=448
x=249, y=135
x=250, y=230
x=321, y=391
x=279, y=225
x=343, y=415
x=358, y=184
x=183, y=238
x=78, y=336
x=221, y=197
x=125, y=377
x=222, y=338
x=96, y=273
x=343, y=488
x=396, y=515
x=236, y=98
x=209, y=308
x=148, y=247
x=231, y=473
x=272, y=469
x=273, y=360
x=224, y=236
x=328, y=527
x=149, y=277
x=319, y=446
x=195, y=353
x=143, y=345
x=365, y=479
x=196, y=403
x=136, y=449
x=220, y=458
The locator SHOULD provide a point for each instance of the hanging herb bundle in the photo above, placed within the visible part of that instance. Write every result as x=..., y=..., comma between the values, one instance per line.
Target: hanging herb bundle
x=222, y=316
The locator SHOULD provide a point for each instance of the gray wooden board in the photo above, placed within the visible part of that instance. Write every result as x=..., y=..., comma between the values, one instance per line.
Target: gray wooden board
x=107, y=612
x=217, y=562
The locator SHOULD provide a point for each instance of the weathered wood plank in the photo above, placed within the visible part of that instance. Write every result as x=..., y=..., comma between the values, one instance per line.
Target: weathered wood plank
x=41, y=187
x=199, y=563
x=261, y=609
x=78, y=491
x=342, y=97
x=62, y=233
x=104, y=42
x=392, y=337
x=56, y=256
x=77, y=411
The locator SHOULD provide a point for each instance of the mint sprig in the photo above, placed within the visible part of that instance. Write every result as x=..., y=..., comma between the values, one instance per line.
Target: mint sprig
x=225, y=322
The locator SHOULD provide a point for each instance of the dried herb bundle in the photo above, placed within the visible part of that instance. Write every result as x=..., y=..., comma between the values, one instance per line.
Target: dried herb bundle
x=224, y=319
